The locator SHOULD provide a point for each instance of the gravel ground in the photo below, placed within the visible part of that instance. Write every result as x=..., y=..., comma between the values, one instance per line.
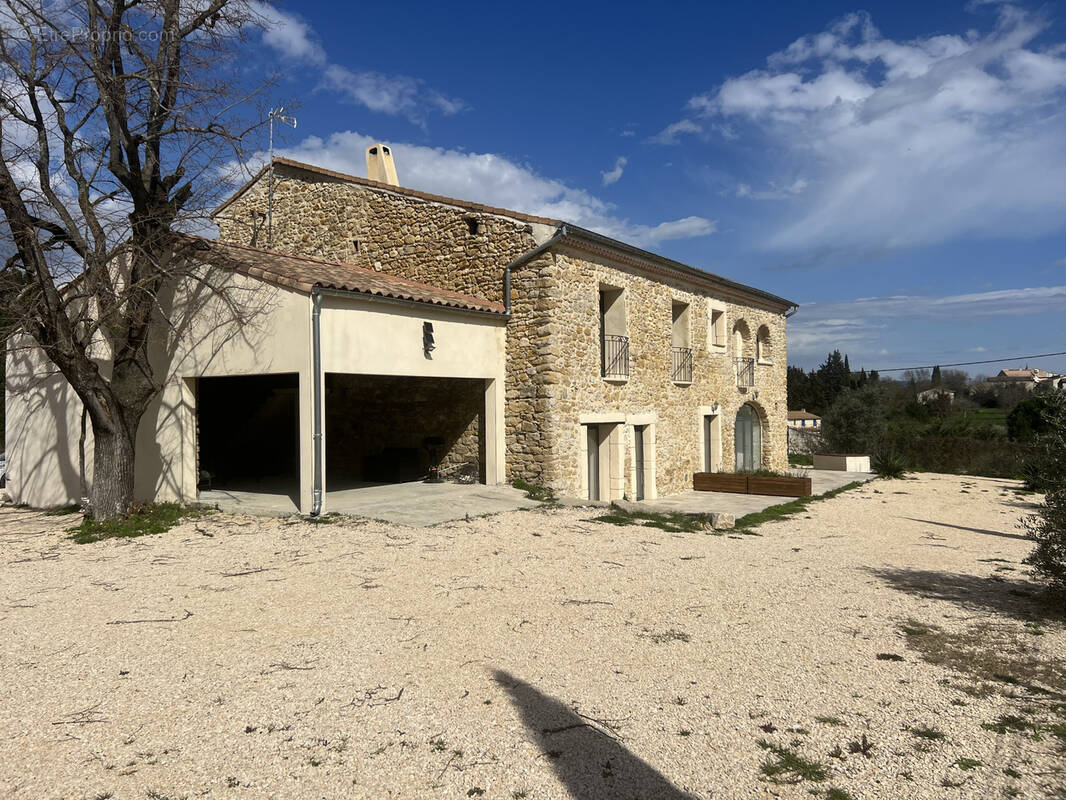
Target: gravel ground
x=533, y=654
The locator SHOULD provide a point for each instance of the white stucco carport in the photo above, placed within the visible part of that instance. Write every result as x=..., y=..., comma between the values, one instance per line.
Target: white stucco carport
x=366, y=325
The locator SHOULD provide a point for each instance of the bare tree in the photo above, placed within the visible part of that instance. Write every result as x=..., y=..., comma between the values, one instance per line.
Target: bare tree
x=114, y=117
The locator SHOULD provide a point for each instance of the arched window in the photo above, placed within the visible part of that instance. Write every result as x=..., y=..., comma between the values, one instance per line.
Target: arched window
x=747, y=439
x=763, y=352
x=741, y=334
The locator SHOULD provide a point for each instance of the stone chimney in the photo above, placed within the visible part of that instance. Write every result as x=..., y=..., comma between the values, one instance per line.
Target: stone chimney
x=380, y=166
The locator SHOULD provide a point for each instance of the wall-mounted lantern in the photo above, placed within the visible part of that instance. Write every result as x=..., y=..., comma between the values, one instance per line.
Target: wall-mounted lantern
x=428, y=343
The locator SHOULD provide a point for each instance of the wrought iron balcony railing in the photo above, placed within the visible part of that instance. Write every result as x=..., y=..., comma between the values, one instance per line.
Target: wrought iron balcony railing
x=615, y=363
x=681, y=358
x=745, y=371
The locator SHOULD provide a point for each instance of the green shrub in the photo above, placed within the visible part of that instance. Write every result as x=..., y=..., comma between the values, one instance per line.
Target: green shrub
x=889, y=464
x=1046, y=472
x=1029, y=419
x=856, y=422
x=965, y=455
x=543, y=494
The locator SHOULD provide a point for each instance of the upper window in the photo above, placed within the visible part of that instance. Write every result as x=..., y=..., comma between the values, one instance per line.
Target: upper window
x=741, y=335
x=680, y=330
x=763, y=351
x=614, y=339
x=716, y=326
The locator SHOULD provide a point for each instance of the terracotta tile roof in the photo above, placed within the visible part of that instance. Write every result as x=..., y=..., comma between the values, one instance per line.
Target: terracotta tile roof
x=1027, y=374
x=435, y=198
x=802, y=415
x=304, y=273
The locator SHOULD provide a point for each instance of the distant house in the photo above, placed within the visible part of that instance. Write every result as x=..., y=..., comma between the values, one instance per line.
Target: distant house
x=803, y=419
x=936, y=394
x=1029, y=378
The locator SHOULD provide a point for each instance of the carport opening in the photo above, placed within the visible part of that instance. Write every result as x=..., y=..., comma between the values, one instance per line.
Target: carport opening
x=386, y=429
x=248, y=434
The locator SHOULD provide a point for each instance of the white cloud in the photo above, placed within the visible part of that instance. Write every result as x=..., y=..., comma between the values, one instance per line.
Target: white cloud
x=671, y=133
x=860, y=324
x=1003, y=302
x=494, y=180
x=400, y=95
x=614, y=173
x=906, y=143
x=388, y=94
x=289, y=35
x=684, y=228
x=775, y=192
x=1060, y=262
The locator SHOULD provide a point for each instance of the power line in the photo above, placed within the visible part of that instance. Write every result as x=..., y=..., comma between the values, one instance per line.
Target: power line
x=971, y=363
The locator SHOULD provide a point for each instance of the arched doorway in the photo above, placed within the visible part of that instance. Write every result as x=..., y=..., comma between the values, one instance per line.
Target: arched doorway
x=747, y=439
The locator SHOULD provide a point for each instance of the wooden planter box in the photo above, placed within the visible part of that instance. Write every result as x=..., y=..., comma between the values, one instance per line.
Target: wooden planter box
x=750, y=484
x=720, y=482
x=780, y=487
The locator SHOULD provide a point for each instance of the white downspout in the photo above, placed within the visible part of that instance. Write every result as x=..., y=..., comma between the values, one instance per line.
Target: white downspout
x=316, y=394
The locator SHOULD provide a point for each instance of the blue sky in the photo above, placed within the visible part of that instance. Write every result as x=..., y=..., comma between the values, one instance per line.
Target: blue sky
x=898, y=169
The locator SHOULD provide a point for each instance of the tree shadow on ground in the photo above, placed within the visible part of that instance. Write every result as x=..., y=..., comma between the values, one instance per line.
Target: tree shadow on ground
x=1020, y=599
x=985, y=531
x=586, y=754
x=1030, y=505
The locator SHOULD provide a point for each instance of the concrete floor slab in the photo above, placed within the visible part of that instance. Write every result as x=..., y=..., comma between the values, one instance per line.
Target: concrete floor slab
x=693, y=502
x=420, y=504
x=415, y=503
x=260, y=504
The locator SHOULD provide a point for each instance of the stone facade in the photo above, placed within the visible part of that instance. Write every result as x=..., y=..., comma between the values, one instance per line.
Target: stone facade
x=554, y=382
x=650, y=395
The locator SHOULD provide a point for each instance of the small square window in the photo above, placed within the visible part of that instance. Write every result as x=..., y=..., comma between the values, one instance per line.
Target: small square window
x=473, y=225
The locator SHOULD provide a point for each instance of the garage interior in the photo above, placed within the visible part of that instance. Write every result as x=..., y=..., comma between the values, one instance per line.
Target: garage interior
x=388, y=429
x=248, y=434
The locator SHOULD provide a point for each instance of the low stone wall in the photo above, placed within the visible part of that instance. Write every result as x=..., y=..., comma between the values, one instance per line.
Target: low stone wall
x=804, y=441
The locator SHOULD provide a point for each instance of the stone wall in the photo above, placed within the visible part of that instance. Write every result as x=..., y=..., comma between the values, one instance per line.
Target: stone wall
x=804, y=441
x=579, y=390
x=375, y=421
x=553, y=339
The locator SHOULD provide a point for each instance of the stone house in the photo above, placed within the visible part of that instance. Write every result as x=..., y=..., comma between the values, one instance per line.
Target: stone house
x=1029, y=378
x=625, y=372
x=936, y=395
x=804, y=419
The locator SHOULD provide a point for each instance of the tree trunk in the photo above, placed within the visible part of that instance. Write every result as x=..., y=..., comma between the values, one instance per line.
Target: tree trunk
x=113, y=461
